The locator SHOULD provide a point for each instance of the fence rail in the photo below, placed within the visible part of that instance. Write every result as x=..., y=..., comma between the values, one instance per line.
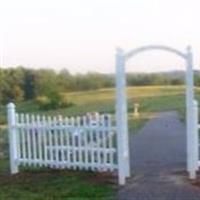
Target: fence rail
x=57, y=142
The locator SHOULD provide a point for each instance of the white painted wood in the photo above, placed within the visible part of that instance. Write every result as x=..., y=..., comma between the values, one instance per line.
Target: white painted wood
x=27, y=128
x=57, y=143
x=110, y=142
x=50, y=138
x=125, y=122
x=98, y=144
x=68, y=152
x=120, y=115
x=121, y=104
x=61, y=123
x=55, y=138
x=44, y=131
x=136, y=51
x=75, y=135
x=39, y=138
x=104, y=143
x=33, y=138
x=19, y=136
x=12, y=138
x=190, y=115
x=73, y=151
x=196, y=134
x=23, y=142
x=85, y=134
x=91, y=143
x=79, y=142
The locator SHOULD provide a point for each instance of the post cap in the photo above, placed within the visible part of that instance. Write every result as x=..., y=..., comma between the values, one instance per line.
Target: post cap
x=119, y=50
x=189, y=48
x=11, y=105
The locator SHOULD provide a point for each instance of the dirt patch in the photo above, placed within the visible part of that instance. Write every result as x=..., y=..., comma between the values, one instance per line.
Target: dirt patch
x=103, y=178
x=197, y=181
x=34, y=176
x=182, y=177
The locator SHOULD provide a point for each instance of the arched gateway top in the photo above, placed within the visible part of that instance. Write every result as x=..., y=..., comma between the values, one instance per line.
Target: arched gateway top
x=156, y=47
x=122, y=116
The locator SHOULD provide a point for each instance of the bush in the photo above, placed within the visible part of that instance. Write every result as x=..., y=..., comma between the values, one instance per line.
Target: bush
x=43, y=102
x=53, y=101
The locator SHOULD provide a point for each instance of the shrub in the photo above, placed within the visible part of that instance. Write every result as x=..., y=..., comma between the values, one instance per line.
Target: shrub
x=54, y=100
x=43, y=102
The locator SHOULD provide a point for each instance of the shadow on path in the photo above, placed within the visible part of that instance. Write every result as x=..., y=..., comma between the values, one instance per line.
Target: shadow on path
x=158, y=162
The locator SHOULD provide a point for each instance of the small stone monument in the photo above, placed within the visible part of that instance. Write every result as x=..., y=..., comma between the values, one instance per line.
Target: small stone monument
x=136, y=112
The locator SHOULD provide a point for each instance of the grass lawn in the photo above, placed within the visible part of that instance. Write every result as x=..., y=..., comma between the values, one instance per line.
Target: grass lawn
x=34, y=184
x=47, y=184
x=151, y=99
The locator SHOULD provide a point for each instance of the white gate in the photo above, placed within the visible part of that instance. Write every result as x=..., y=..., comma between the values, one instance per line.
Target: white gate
x=121, y=110
x=56, y=142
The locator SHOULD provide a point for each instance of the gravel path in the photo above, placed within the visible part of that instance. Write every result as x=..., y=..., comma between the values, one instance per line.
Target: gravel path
x=158, y=161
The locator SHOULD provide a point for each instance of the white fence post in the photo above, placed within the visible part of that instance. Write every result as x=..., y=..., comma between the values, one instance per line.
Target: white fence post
x=13, y=146
x=124, y=116
x=190, y=115
x=196, y=133
x=126, y=133
x=120, y=118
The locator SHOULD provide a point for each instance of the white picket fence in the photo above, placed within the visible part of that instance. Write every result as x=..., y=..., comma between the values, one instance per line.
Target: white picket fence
x=57, y=142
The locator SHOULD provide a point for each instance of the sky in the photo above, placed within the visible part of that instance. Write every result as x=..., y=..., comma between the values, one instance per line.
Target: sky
x=82, y=35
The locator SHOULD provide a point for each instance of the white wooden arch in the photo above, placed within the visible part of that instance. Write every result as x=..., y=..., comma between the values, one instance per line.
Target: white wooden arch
x=121, y=110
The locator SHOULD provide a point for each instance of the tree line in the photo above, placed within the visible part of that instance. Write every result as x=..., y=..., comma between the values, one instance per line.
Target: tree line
x=20, y=83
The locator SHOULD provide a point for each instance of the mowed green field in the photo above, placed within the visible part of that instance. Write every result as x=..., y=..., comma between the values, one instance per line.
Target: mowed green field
x=63, y=184
x=150, y=98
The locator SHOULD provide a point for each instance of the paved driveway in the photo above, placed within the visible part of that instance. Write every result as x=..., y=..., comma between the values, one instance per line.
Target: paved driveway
x=158, y=162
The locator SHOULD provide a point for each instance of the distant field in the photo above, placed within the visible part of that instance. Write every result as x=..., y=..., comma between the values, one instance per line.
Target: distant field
x=47, y=184
x=151, y=99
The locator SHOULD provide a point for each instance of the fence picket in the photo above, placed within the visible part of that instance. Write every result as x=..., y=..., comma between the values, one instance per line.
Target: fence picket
x=98, y=141
x=61, y=124
x=55, y=144
x=33, y=139
x=27, y=126
x=67, y=143
x=110, y=142
x=44, y=128
x=104, y=143
x=50, y=142
x=18, y=137
x=23, y=142
x=91, y=144
x=73, y=144
x=37, y=135
x=79, y=141
x=85, y=143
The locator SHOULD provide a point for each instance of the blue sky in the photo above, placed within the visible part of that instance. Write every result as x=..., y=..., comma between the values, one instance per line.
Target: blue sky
x=81, y=35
